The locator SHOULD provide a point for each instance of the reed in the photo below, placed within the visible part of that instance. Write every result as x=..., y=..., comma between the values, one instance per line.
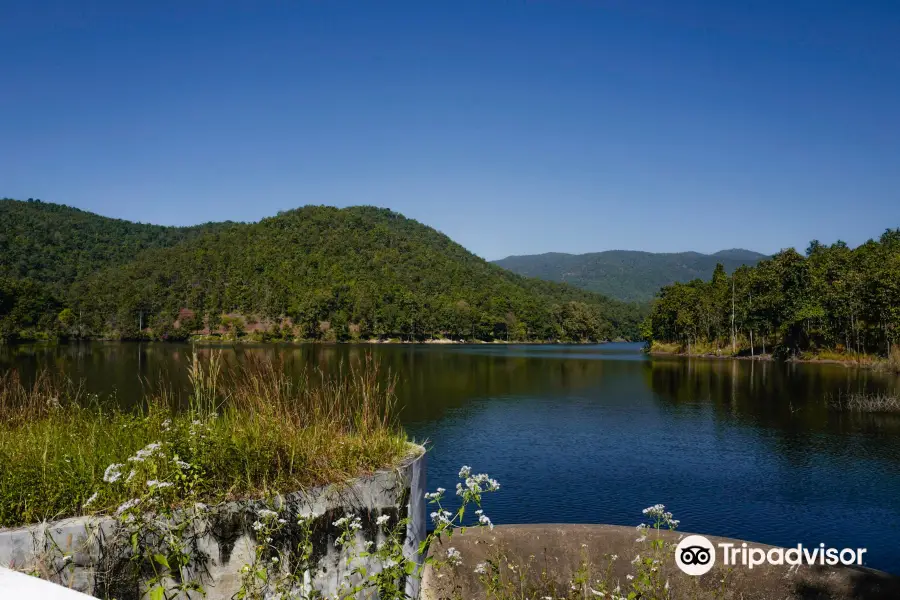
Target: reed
x=248, y=430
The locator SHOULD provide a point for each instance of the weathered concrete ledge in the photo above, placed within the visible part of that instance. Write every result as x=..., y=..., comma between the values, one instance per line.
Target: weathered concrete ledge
x=560, y=549
x=78, y=553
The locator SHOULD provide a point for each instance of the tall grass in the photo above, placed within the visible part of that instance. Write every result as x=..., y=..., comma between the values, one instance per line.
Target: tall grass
x=868, y=402
x=248, y=430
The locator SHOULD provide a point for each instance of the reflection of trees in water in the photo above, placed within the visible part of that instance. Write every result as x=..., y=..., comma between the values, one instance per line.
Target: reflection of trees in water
x=787, y=405
x=431, y=379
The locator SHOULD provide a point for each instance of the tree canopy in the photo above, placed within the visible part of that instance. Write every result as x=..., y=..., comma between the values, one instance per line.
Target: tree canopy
x=313, y=273
x=834, y=297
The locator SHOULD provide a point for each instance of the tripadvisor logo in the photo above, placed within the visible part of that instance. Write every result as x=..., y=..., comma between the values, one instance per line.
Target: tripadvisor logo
x=696, y=555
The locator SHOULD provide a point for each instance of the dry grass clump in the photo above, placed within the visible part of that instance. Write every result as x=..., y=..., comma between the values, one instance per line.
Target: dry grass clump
x=249, y=430
x=868, y=402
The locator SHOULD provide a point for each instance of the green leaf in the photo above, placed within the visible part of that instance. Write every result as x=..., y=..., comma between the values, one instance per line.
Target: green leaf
x=161, y=560
x=157, y=593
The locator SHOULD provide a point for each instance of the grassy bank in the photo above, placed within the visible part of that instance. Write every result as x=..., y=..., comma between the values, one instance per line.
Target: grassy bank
x=704, y=349
x=248, y=431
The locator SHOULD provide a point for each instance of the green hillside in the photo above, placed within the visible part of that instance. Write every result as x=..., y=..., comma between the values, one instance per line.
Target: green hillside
x=56, y=244
x=627, y=275
x=312, y=273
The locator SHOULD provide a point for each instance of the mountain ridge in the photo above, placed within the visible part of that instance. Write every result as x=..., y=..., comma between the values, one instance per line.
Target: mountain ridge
x=627, y=275
x=314, y=272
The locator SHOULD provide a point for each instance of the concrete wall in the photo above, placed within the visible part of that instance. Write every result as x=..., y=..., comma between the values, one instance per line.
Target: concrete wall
x=224, y=541
x=561, y=549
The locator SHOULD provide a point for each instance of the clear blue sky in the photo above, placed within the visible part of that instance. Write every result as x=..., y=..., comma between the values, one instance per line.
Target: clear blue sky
x=513, y=127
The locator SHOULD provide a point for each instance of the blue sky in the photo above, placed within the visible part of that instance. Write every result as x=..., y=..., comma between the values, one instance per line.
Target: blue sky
x=513, y=127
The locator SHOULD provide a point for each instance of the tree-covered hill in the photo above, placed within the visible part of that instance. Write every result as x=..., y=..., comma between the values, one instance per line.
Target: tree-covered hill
x=627, y=275
x=56, y=244
x=312, y=273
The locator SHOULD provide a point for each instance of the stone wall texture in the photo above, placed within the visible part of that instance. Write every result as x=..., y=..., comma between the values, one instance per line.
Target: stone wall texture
x=78, y=553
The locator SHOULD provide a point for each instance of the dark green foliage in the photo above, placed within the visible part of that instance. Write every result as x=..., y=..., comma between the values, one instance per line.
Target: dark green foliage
x=311, y=273
x=834, y=298
x=56, y=244
x=626, y=275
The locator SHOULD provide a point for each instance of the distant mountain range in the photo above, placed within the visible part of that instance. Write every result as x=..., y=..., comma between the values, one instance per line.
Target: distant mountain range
x=627, y=275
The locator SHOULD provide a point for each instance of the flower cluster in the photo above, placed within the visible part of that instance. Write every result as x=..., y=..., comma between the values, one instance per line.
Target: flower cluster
x=148, y=451
x=662, y=518
x=113, y=473
x=454, y=557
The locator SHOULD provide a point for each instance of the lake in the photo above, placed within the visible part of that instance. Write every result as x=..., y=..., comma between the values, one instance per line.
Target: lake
x=593, y=434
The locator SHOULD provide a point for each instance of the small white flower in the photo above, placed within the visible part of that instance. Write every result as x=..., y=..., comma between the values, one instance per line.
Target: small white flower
x=629, y=577
x=265, y=513
x=257, y=526
x=66, y=558
x=90, y=500
x=128, y=505
x=282, y=521
x=340, y=522
x=481, y=568
x=465, y=471
x=382, y=520
x=274, y=559
x=113, y=473
x=454, y=557
x=485, y=521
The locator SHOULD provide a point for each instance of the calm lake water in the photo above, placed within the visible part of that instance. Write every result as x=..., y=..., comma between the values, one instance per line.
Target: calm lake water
x=593, y=434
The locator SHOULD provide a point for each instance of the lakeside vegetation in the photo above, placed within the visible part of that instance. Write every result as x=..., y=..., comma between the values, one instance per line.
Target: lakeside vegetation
x=248, y=431
x=314, y=273
x=834, y=303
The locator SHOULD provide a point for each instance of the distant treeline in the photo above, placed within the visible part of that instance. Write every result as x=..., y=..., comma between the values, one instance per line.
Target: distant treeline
x=835, y=298
x=315, y=273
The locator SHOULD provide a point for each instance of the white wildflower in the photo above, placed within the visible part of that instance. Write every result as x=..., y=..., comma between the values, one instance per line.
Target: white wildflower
x=629, y=577
x=356, y=524
x=485, y=521
x=90, y=500
x=454, y=557
x=382, y=520
x=128, y=505
x=340, y=522
x=257, y=526
x=282, y=521
x=465, y=471
x=441, y=517
x=481, y=568
x=113, y=473
x=265, y=513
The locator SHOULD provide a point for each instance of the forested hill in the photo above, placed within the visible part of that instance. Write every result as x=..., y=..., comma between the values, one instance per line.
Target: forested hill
x=56, y=244
x=312, y=273
x=625, y=274
x=834, y=298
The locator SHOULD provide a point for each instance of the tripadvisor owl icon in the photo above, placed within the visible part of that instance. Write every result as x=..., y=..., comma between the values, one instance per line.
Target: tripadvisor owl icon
x=695, y=555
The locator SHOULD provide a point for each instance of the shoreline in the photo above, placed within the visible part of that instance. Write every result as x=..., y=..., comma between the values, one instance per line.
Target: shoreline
x=390, y=341
x=849, y=363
